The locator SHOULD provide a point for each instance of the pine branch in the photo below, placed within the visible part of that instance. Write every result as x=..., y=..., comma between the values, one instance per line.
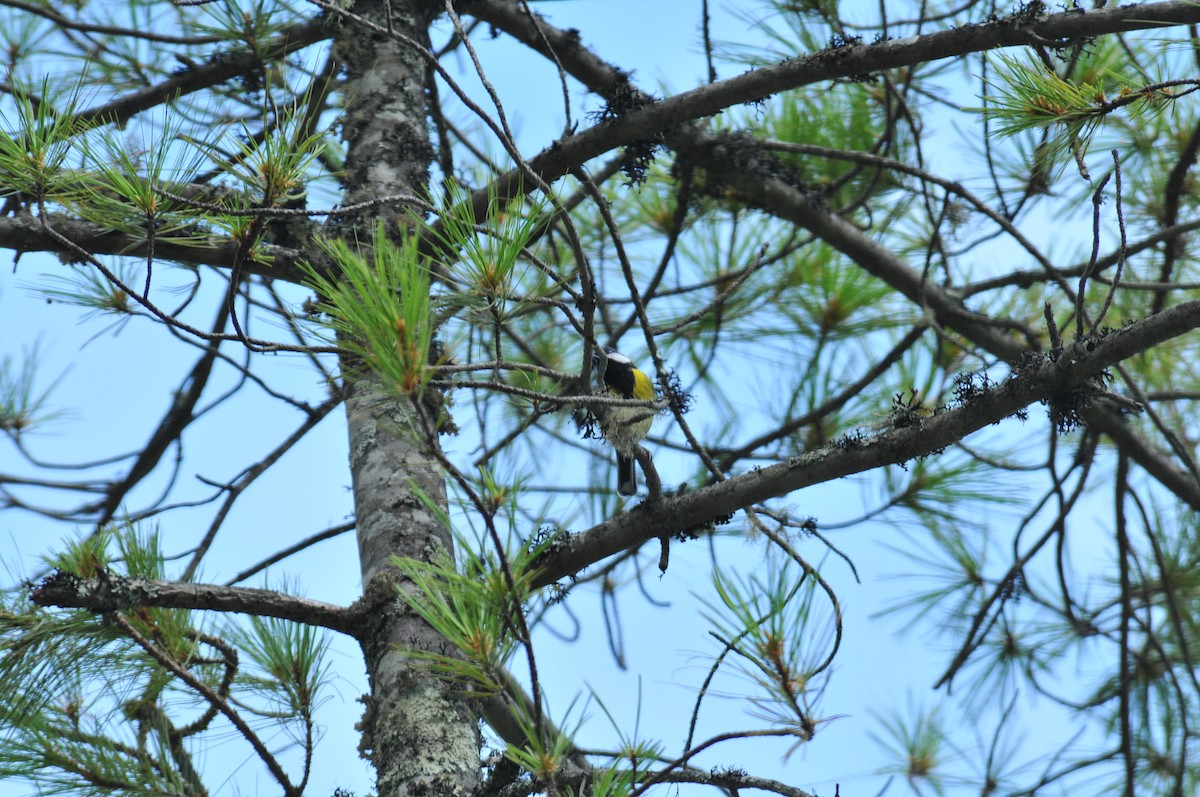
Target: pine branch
x=113, y=592
x=24, y=232
x=202, y=76
x=653, y=117
x=1039, y=377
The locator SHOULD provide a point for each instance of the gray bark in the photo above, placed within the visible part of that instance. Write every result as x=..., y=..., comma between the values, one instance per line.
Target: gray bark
x=421, y=737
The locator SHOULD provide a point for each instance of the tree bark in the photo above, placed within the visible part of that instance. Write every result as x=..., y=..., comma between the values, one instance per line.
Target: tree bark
x=421, y=737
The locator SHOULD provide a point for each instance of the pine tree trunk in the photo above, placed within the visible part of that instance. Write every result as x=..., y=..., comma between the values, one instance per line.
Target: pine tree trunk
x=421, y=738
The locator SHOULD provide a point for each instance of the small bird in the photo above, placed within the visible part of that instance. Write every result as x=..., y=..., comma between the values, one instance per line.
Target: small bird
x=624, y=427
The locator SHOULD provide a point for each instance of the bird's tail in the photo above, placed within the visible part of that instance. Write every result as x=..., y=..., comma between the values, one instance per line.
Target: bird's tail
x=626, y=476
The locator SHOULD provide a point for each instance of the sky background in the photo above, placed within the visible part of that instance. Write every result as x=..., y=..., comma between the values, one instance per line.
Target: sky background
x=114, y=384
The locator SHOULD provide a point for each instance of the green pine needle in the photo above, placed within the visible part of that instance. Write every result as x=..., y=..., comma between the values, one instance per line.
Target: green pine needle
x=380, y=308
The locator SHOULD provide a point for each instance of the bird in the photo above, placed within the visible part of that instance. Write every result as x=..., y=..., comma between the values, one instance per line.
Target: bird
x=624, y=427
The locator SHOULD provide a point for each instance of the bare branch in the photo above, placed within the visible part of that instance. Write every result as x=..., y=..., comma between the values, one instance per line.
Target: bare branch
x=25, y=233
x=201, y=76
x=831, y=64
x=1038, y=379
x=112, y=592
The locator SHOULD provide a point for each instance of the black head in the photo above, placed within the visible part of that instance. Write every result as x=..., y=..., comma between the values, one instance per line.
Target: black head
x=612, y=355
